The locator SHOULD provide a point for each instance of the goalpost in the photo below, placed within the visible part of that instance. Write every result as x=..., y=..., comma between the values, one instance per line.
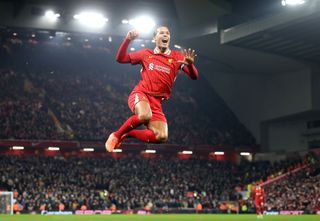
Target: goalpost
x=6, y=203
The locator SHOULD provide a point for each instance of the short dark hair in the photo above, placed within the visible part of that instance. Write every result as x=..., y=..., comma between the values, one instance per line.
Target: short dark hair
x=156, y=30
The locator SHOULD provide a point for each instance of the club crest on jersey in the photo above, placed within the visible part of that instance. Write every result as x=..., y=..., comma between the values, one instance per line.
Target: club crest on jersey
x=170, y=60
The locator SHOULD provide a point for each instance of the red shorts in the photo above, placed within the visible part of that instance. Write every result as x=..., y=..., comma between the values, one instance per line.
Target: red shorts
x=154, y=102
x=258, y=203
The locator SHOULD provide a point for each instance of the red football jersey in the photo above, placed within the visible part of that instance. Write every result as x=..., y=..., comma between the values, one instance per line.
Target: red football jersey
x=159, y=70
x=259, y=195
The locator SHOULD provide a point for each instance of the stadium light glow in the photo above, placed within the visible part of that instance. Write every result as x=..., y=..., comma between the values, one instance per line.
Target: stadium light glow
x=177, y=46
x=292, y=2
x=53, y=148
x=91, y=19
x=14, y=34
x=110, y=39
x=143, y=24
x=187, y=152
x=51, y=15
x=61, y=33
x=125, y=21
x=33, y=35
x=50, y=36
x=245, y=154
x=218, y=153
x=143, y=45
x=132, y=49
x=117, y=151
x=88, y=149
x=150, y=151
x=17, y=148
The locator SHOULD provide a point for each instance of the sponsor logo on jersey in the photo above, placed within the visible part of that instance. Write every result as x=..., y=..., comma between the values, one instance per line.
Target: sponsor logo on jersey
x=160, y=68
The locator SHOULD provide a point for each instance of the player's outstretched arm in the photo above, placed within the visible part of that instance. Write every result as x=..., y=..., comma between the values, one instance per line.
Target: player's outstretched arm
x=188, y=64
x=123, y=56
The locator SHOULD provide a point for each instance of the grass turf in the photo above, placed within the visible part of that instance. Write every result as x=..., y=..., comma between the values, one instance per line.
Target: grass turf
x=157, y=218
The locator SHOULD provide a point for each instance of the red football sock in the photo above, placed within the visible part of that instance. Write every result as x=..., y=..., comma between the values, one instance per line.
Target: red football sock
x=258, y=210
x=130, y=124
x=144, y=135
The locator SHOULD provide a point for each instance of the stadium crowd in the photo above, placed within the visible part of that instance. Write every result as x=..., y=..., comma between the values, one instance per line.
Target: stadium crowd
x=133, y=183
x=23, y=115
x=75, y=91
x=300, y=191
x=85, y=92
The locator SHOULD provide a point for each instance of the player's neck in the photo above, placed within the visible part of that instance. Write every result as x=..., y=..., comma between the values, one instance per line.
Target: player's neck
x=162, y=49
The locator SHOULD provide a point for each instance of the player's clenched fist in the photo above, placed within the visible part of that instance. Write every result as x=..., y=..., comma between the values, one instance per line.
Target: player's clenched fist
x=132, y=34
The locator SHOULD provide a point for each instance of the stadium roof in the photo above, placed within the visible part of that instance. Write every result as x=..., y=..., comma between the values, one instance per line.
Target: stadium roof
x=284, y=47
x=291, y=34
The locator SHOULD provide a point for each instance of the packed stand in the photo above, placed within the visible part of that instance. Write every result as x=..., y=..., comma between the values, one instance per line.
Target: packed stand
x=299, y=192
x=131, y=183
x=87, y=92
x=23, y=113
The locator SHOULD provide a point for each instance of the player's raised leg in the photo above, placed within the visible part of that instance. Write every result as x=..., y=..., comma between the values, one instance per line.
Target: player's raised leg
x=160, y=130
x=142, y=116
x=157, y=132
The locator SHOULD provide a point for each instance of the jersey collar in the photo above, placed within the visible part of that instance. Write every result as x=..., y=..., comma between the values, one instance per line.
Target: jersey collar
x=157, y=51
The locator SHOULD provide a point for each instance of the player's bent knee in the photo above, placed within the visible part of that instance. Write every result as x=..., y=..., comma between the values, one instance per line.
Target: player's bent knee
x=162, y=138
x=145, y=117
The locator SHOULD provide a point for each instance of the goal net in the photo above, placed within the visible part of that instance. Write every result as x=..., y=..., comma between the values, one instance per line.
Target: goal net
x=6, y=202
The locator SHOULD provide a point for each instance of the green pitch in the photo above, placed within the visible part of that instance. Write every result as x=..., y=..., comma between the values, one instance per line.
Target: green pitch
x=157, y=218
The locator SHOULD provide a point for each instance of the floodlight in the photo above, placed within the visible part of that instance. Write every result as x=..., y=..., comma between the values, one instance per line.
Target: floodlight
x=91, y=19
x=143, y=24
x=125, y=21
x=51, y=15
x=292, y=2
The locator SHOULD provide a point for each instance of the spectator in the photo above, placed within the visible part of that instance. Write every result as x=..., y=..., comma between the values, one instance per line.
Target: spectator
x=138, y=182
x=55, y=93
